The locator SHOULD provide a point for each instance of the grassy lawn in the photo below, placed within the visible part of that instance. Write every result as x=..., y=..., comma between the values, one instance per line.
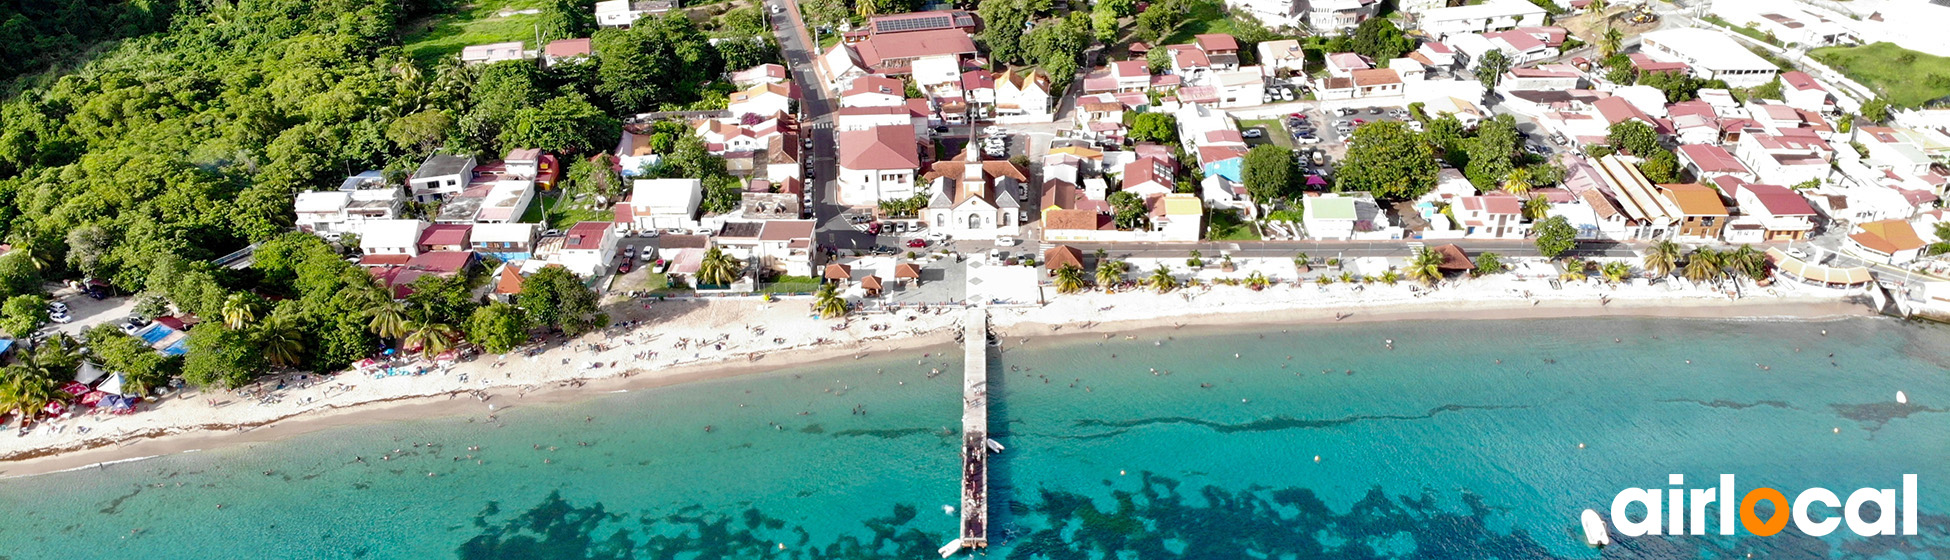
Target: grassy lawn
x=1743, y=30
x=1205, y=17
x=791, y=285
x=560, y=215
x=475, y=24
x=1902, y=76
x=1275, y=131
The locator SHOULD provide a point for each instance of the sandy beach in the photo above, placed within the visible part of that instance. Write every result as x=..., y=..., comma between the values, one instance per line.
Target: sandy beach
x=685, y=341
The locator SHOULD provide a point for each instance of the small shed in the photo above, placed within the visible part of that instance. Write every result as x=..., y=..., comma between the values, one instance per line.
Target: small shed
x=871, y=284
x=907, y=271
x=1453, y=258
x=1062, y=255
x=839, y=272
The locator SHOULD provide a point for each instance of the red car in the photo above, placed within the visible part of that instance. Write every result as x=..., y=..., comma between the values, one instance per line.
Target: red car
x=917, y=243
x=873, y=228
x=1359, y=122
x=626, y=266
x=1301, y=116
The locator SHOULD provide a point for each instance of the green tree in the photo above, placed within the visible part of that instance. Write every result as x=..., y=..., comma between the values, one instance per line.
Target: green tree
x=1002, y=30
x=1661, y=167
x=142, y=367
x=1615, y=271
x=1155, y=127
x=566, y=19
x=1129, y=211
x=497, y=327
x=239, y=310
x=221, y=357
x=387, y=317
x=828, y=303
x=421, y=132
x=1389, y=160
x=1704, y=265
x=1426, y=266
x=21, y=315
x=1110, y=273
x=556, y=298
x=1490, y=69
x=1634, y=137
x=1161, y=279
x=18, y=275
x=429, y=339
x=566, y=124
x=1487, y=264
x=1555, y=236
x=1103, y=21
x=1876, y=110
x=1660, y=258
x=1609, y=42
x=1270, y=173
x=718, y=268
x=1379, y=39
x=281, y=338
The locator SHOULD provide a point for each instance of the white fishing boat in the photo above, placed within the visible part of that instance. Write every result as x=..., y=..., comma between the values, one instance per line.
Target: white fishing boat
x=1902, y=398
x=994, y=446
x=951, y=548
x=1595, y=533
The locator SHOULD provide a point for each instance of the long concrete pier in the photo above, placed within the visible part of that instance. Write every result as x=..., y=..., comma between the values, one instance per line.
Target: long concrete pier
x=975, y=432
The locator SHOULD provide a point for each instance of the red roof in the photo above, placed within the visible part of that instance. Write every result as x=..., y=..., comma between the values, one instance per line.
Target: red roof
x=587, y=236
x=1781, y=201
x=567, y=48
x=384, y=260
x=880, y=147
x=1211, y=42
x=1799, y=80
x=908, y=46
x=1712, y=159
x=876, y=84
x=446, y=234
x=440, y=262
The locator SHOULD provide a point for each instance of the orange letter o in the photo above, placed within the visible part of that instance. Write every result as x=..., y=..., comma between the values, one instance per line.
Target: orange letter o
x=1774, y=524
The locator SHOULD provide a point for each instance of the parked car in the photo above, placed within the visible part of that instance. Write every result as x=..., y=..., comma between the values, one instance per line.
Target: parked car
x=626, y=266
x=1253, y=133
x=1374, y=110
x=60, y=317
x=917, y=243
x=53, y=306
x=1308, y=140
x=873, y=228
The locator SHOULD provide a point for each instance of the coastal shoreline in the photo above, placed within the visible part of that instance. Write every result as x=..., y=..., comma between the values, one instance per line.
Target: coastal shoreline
x=152, y=442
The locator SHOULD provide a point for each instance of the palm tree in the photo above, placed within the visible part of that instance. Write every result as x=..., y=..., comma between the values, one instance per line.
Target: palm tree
x=281, y=340
x=1069, y=279
x=718, y=268
x=1703, y=265
x=828, y=302
x=1303, y=262
x=1535, y=207
x=388, y=318
x=1101, y=254
x=1615, y=271
x=1747, y=261
x=1257, y=281
x=431, y=338
x=1574, y=269
x=1426, y=266
x=1110, y=273
x=1391, y=277
x=1518, y=182
x=1197, y=261
x=238, y=311
x=1610, y=41
x=1161, y=279
x=1661, y=258
x=27, y=394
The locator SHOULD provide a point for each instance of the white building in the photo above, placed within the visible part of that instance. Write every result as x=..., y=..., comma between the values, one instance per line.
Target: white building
x=1022, y=97
x=878, y=164
x=1492, y=15
x=586, y=249
x=657, y=204
x=392, y=237
x=975, y=199
x=508, y=242
x=764, y=100
x=441, y=175
x=361, y=198
x=494, y=52
x=624, y=13
x=1711, y=55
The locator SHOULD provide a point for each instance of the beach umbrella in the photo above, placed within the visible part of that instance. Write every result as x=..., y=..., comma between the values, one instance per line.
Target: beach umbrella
x=75, y=388
x=93, y=398
x=113, y=385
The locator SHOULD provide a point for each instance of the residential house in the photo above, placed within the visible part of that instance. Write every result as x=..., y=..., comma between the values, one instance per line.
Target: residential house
x=494, y=52
x=445, y=237
x=567, y=51
x=1804, y=93
x=1409, y=69
x=1787, y=159
x=1221, y=50
x=1649, y=214
x=663, y=204
x=1243, y=87
x=762, y=100
x=1329, y=217
x=1706, y=161
x=1022, y=96
x=507, y=242
x=1343, y=65
x=1272, y=13
x=506, y=201
x=1149, y=176
x=1492, y=216
x=440, y=175
x=878, y=164
x=361, y=198
x=934, y=20
x=1223, y=160
x=895, y=54
x=396, y=239
x=1436, y=55
x=1177, y=216
x=875, y=91
x=1886, y=241
x=1492, y=15
x=587, y=249
x=1189, y=64
x=1284, y=54
x=767, y=73
x=840, y=66
x=1221, y=193
x=624, y=13
x=975, y=199
x=1710, y=55
x=1542, y=77
x=1700, y=215
x=1380, y=82
x=1328, y=16
x=1776, y=212
x=785, y=246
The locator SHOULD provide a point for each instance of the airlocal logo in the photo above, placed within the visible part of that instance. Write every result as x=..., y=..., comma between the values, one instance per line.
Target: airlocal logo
x=1684, y=510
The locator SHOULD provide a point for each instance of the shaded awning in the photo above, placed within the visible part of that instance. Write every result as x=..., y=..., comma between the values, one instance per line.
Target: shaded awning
x=1798, y=268
x=1453, y=258
x=1062, y=255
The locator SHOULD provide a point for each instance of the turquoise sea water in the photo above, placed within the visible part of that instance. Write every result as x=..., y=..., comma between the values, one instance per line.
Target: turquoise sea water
x=1431, y=449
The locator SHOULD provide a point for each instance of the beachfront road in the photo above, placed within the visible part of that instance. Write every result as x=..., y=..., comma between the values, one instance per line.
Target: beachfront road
x=1347, y=249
